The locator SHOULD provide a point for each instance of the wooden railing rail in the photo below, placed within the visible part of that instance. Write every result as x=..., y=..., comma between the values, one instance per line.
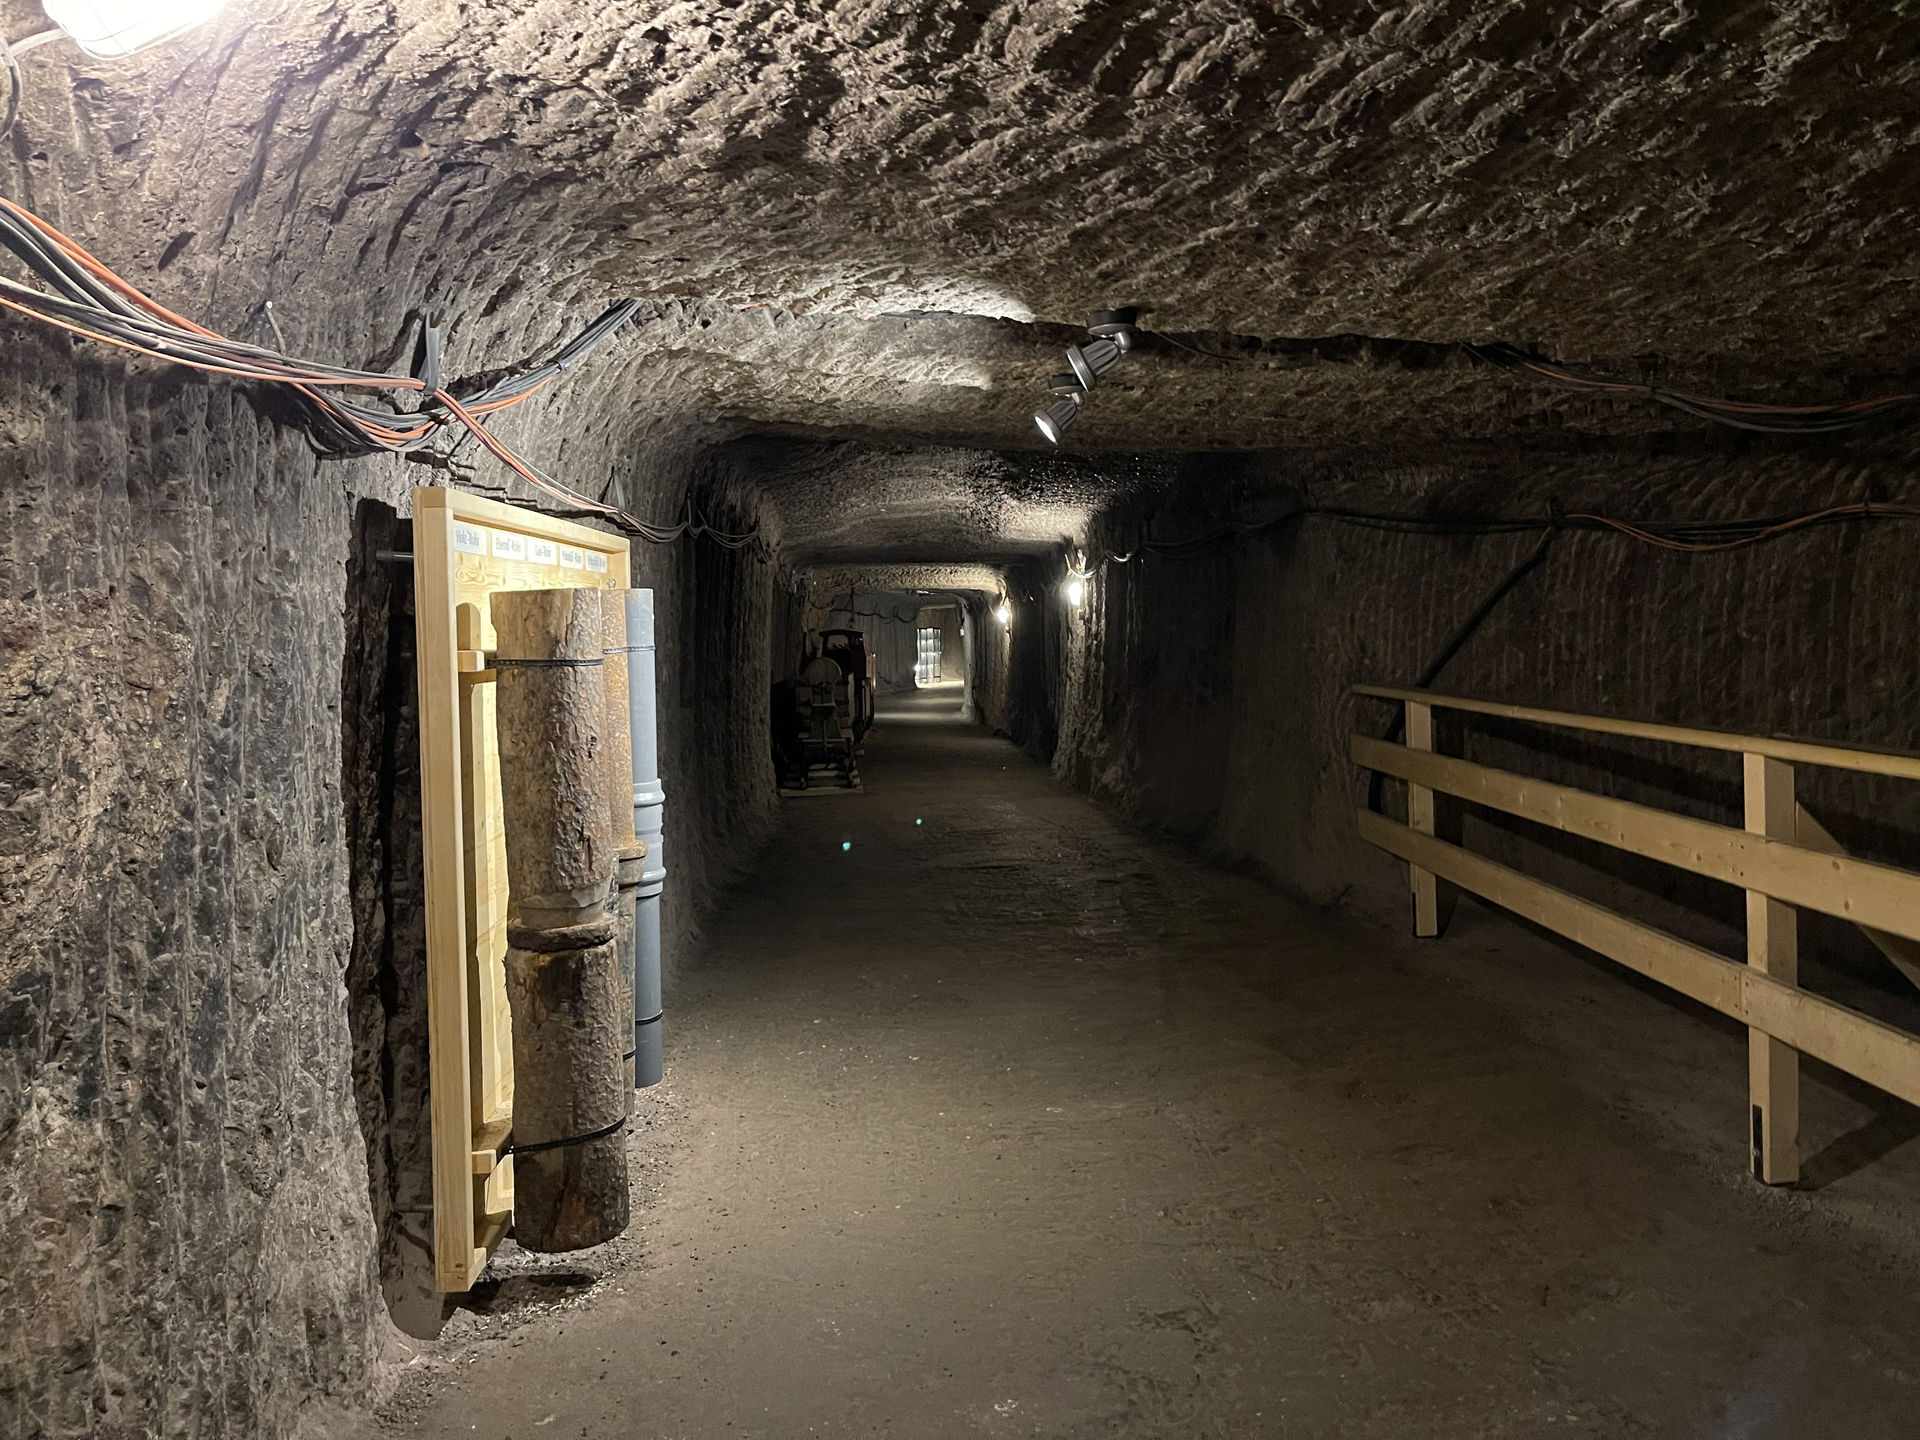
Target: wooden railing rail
x=1783, y=859
x=1901, y=764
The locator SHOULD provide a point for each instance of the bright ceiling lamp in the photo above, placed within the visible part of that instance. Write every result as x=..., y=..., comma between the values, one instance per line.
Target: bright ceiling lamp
x=1076, y=591
x=111, y=28
x=1054, y=420
x=1003, y=612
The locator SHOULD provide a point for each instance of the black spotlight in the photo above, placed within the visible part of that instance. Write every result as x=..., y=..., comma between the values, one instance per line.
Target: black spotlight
x=1054, y=420
x=1093, y=359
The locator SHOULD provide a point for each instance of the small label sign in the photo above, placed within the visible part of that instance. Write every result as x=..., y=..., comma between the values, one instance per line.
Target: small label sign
x=596, y=562
x=508, y=546
x=543, y=552
x=469, y=539
x=572, y=558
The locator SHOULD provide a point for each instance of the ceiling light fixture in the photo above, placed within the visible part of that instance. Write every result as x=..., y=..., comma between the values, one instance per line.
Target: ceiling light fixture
x=1003, y=612
x=1092, y=360
x=1057, y=417
x=109, y=29
x=1076, y=591
x=1111, y=333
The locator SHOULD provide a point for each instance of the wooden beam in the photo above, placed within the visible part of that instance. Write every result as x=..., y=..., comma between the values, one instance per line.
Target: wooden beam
x=1862, y=891
x=1902, y=764
x=1810, y=834
x=1773, y=949
x=445, y=880
x=1426, y=887
x=1881, y=1055
x=488, y=1141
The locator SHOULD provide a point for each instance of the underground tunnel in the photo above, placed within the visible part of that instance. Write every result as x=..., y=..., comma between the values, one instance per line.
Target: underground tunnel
x=1083, y=718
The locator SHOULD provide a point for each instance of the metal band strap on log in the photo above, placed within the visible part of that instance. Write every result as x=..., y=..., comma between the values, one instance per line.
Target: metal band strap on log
x=535, y=1145
x=542, y=664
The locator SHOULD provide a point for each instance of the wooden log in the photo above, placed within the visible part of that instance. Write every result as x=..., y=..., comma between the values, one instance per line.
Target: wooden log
x=551, y=713
x=572, y=1093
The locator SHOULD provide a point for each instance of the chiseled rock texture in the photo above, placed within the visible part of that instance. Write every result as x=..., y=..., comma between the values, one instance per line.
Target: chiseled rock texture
x=1210, y=694
x=863, y=232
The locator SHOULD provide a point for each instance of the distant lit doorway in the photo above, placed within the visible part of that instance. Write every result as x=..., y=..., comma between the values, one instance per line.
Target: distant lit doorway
x=926, y=670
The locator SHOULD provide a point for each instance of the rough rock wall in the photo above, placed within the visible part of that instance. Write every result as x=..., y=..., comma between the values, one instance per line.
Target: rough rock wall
x=1212, y=698
x=182, y=1168
x=211, y=976
x=179, y=1129
x=886, y=618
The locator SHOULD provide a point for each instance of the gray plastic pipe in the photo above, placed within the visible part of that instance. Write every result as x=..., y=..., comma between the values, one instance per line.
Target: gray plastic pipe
x=649, y=805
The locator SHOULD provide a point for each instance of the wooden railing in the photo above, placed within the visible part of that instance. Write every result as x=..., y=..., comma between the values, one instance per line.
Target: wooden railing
x=1783, y=859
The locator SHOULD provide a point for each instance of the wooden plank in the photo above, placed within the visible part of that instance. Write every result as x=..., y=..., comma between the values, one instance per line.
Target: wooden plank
x=488, y=1141
x=1881, y=1055
x=491, y=1042
x=1862, y=891
x=441, y=826
x=1810, y=834
x=1426, y=888
x=1902, y=764
x=465, y=549
x=1773, y=1068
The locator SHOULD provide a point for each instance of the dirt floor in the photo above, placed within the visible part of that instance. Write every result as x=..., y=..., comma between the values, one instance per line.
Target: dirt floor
x=989, y=1117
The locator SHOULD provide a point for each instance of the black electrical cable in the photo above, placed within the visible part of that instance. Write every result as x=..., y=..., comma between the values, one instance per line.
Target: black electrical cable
x=91, y=301
x=1456, y=641
x=906, y=619
x=1769, y=419
x=1695, y=536
x=1741, y=414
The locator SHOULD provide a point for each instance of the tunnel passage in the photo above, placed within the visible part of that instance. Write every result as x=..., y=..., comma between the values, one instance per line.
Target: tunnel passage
x=1553, y=357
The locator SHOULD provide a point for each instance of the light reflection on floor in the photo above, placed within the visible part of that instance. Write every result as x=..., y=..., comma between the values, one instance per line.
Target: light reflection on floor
x=935, y=704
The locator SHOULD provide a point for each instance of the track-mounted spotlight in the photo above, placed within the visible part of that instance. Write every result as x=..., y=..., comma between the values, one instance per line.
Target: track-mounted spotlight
x=1054, y=420
x=1111, y=333
x=1094, y=359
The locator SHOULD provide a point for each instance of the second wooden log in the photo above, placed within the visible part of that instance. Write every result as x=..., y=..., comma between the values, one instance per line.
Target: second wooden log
x=551, y=708
x=572, y=1091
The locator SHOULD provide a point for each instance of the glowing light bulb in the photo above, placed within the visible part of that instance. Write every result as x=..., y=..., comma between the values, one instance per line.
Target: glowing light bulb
x=1004, y=614
x=1076, y=591
x=111, y=28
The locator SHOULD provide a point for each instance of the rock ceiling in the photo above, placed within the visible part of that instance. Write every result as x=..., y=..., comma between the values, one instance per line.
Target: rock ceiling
x=880, y=223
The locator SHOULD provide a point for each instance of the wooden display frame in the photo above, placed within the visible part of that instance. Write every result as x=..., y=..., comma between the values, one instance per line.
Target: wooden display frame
x=464, y=550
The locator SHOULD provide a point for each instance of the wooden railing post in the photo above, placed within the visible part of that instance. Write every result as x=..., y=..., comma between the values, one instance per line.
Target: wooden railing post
x=1426, y=887
x=1773, y=1069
